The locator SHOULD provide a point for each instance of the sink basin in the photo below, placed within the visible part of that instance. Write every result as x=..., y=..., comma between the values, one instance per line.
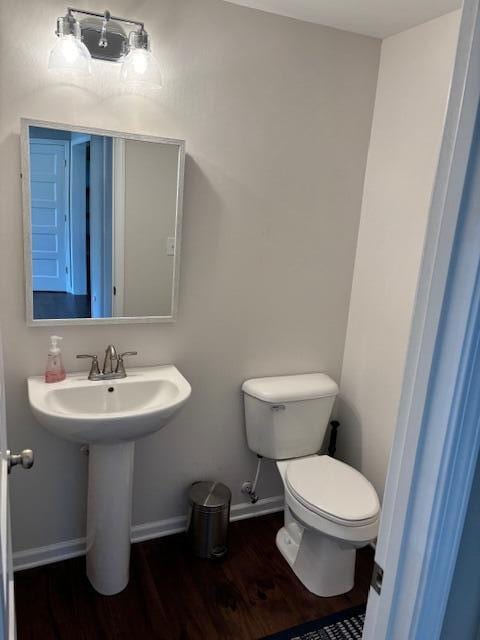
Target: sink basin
x=109, y=411
x=109, y=415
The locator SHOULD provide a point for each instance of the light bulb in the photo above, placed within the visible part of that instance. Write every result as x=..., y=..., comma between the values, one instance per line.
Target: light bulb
x=70, y=55
x=140, y=68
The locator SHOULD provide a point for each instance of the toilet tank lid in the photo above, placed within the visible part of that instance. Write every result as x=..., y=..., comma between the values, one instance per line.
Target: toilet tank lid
x=306, y=386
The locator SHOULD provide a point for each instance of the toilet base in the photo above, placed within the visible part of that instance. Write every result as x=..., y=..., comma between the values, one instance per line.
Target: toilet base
x=326, y=567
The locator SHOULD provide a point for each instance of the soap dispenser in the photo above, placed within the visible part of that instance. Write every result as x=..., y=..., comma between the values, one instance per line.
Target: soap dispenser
x=54, y=371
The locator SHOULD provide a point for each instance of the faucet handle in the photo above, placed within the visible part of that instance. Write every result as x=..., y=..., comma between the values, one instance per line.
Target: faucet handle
x=94, y=369
x=120, y=364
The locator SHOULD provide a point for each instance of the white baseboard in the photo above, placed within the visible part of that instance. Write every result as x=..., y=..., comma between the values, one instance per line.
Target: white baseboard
x=51, y=553
x=147, y=531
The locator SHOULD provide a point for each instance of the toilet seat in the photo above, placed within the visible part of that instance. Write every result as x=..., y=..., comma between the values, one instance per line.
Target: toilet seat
x=332, y=490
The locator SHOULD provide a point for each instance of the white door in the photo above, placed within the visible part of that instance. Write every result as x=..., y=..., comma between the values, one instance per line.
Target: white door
x=7, y=607
x=49, y=192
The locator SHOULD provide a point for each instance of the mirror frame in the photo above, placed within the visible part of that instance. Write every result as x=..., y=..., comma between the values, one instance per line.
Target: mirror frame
x=26, y=123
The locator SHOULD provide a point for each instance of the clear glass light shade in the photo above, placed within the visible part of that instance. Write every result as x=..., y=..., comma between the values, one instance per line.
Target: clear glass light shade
x=70, y=56
x=140, y=68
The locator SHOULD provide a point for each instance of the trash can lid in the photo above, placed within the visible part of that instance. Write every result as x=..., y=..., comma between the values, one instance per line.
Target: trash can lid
x=209, y=494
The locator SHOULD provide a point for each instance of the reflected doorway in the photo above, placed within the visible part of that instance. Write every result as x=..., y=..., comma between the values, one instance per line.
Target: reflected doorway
x=71, y=192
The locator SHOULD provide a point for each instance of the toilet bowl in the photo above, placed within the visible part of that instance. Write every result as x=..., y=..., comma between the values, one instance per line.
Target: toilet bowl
x=331, y=509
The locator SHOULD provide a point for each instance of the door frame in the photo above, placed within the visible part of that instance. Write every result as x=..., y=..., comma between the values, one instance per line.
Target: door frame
x=118, y=233
x=101, y=221
x=78, y=227
x=436, y=442
x=7, y=594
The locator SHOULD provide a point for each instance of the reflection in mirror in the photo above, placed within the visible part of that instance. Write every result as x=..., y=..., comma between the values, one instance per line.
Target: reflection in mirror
x=104, y=222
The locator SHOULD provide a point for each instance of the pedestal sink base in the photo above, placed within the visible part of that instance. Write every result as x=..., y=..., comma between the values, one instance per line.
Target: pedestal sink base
x=109, y=514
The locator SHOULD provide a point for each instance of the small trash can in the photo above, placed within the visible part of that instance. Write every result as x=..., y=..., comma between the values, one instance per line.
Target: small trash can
x=208, y=518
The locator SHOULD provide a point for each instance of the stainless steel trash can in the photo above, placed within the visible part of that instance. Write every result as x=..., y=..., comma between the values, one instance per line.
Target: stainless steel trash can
x=208, y=518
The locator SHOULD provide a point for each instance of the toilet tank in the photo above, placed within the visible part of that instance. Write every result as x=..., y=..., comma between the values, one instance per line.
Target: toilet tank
x=287, y=416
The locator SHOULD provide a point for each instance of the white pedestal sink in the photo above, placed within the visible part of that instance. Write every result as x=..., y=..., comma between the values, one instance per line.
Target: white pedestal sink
x=109, y=415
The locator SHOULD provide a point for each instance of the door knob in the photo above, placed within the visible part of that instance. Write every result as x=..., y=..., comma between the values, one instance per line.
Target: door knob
x=25, y=459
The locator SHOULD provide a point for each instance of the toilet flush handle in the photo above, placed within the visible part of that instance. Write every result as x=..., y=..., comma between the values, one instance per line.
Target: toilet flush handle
x=278, y=407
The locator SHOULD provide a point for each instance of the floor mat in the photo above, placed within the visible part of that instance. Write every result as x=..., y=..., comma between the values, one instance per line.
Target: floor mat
x=346, y=625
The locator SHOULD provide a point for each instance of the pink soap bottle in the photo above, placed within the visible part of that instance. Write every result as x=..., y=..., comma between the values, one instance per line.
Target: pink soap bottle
x=54, y=371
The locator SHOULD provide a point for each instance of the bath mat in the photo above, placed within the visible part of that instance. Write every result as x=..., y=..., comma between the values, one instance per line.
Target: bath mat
x=346, y=625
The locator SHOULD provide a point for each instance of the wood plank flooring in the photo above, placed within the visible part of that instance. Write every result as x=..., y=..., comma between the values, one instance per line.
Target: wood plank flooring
x=175, y=596
x=57, y=304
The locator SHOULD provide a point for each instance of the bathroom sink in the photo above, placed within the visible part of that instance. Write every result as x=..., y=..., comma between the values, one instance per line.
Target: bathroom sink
x=109, y=415
x=109, y=411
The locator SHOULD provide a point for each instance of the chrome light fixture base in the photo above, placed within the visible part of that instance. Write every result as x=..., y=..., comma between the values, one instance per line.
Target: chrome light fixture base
x=103, y=34
x=111, y=46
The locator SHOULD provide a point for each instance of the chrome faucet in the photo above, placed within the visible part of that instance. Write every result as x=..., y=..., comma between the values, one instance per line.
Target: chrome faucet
x=110, y=356
x=108, y=371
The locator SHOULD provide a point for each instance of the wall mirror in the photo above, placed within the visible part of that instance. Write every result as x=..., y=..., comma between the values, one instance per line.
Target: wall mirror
x=102, y=225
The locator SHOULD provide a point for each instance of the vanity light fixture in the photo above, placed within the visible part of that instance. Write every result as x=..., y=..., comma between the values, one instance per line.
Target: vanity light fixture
x=103, y=37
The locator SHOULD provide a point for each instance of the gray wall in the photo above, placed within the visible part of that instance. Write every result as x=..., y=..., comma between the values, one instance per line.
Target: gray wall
x=412, y=93
x=277, y=115
x=151, y=176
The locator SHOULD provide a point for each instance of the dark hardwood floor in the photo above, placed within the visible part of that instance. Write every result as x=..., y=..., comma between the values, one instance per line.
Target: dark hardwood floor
x=174, y=596
x=56, y=304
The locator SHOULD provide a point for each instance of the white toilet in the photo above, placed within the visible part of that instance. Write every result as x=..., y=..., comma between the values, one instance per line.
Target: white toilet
x=330, y=508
